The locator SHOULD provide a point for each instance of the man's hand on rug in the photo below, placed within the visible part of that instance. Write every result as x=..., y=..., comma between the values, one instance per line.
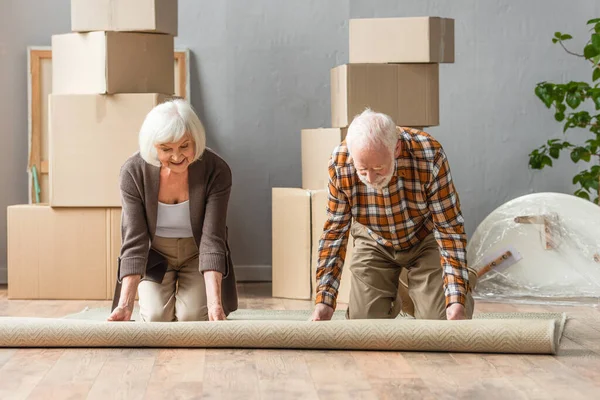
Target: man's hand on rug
x=455, y=311
x=322, y=312
x=216, y=313
x=120, y=314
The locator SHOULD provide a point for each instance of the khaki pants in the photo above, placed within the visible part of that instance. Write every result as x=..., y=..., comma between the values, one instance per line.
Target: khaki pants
x=182, y=294
x=375, y=290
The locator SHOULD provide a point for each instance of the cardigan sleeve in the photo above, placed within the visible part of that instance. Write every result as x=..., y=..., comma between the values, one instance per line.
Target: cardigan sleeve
x=135, y=242
x=213, y=243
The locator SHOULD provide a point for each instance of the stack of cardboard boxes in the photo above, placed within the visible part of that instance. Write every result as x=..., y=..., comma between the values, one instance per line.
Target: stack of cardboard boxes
x=107, y=74
x=394, y=69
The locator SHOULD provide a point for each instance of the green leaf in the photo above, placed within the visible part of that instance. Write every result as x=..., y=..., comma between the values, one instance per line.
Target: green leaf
x=535, y=160
x=554, y=40
x=597, y=27
x=582, y=194
x=543, y=92
x=593, y=21
x=576, y=155
x=554, y=152
x=546, y=161
x=590, y=51
x=596, y=40
x=576, y=179
x=557, y=35
x=574, y=99
x=596, y=74
x=559, y=116
x=586, y=156
x=566, y=37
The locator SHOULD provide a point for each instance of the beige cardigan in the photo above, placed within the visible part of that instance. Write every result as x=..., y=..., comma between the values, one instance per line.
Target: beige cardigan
x=209, y=190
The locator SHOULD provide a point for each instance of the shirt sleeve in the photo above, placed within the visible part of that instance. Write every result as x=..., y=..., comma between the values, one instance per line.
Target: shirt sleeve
x=213, y=243
x=333, y=242
x=135, y=241
x=449, y=230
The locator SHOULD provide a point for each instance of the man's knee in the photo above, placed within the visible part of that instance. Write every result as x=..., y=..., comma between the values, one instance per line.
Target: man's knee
x=190, y=314
x=362, y=308
x=156, y=315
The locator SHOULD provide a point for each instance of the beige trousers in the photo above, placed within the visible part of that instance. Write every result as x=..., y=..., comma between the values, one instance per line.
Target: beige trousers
x=376, y=291
x=182, y=294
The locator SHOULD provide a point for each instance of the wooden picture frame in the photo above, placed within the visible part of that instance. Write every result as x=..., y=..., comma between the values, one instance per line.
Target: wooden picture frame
x=39, y=86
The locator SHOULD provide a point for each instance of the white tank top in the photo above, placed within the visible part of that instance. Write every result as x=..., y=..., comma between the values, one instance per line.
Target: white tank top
x=173, y=220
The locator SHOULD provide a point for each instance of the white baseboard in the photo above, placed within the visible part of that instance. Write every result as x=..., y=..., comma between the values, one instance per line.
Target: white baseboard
x=253, y=273
x=3, y=276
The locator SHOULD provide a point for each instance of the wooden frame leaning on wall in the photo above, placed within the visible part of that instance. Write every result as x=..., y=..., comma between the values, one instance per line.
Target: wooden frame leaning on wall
x=39, y=86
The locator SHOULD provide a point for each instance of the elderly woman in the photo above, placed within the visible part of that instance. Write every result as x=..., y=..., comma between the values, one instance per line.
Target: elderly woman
x=174, y=251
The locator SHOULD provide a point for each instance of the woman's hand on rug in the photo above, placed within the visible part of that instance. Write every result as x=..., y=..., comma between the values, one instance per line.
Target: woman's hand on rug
x=322, y=312
x=455, y=311
x=120, y=314
x=216, y=313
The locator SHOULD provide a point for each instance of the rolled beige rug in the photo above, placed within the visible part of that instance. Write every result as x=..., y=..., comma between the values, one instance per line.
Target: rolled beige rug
x=496, y=333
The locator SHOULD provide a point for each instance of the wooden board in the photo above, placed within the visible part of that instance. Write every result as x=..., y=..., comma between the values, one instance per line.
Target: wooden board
x=39, y=83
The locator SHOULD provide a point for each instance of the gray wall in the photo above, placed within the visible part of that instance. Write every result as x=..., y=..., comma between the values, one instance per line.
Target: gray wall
x=260, y=73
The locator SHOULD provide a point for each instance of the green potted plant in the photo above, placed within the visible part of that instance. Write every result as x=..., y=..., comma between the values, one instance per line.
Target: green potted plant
x=567, y=101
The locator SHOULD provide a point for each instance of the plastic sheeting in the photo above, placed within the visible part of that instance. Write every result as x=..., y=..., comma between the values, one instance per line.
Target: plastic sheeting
x=539, y=248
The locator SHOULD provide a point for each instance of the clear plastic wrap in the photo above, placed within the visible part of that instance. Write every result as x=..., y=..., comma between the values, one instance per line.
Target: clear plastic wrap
x=540, y=248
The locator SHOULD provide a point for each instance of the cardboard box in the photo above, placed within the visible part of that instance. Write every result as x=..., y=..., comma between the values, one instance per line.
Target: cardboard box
x=91, y=136
x=159, y=16
x=317, y=147
x=401, y=40
x=298, y=219
x=112, y=62
x=319, y=217
x=291, y=241
x=61, y=254
x=408, y=93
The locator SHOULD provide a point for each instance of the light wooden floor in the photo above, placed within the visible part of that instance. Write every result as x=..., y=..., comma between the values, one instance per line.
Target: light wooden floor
x=260, y=374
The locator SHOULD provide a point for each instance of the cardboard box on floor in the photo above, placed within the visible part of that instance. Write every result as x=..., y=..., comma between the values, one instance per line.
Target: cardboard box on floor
x=159, y=16
x=401, y=40
x=112, y=62
x=91, y=136
x=298, y=216
x=408, y=93
x=62, y=254
x=317, y=147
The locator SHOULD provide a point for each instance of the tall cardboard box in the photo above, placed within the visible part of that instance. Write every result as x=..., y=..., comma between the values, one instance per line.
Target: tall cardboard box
x=317, y=147
x=318, y=218
x=159, y=16
x=91, y=136
x=401, y=40
x=112, y=62
x=291, y=243
x=60, y=254
x=298, y=219
x=408, y=93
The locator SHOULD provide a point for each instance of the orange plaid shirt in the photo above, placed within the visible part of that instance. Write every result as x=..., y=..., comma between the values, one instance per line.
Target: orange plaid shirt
x=419, y=199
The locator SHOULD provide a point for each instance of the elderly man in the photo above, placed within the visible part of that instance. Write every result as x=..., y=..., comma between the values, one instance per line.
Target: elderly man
x=396, y=185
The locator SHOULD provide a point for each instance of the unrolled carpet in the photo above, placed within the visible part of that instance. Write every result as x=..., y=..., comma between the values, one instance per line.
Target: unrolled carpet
x=530, y=333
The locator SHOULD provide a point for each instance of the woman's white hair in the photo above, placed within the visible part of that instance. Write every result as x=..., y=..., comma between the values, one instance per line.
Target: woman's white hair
x=371, y=130
x=169, y=122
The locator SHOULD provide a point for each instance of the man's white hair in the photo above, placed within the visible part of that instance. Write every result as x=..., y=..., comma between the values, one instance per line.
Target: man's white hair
x=371, y=130
x=169, y=122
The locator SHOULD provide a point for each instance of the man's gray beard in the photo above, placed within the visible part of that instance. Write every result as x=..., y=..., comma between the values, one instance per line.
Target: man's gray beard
x=381, y=184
